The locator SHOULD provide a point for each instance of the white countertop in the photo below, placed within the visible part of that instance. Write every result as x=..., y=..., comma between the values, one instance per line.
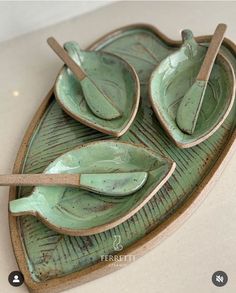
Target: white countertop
x=186, y=260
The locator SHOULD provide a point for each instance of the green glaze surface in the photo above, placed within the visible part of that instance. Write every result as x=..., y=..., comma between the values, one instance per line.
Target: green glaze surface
x=97, y=101
x=189, y=107
x=113, y=76
x=76, y=209
x=50, y=254
x=114, y=184
x=173, y=78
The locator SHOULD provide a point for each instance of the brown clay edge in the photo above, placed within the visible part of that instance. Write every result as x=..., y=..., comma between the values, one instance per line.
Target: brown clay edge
x=220, y=122
x=144, y=244
x=135, y=105
x=112, y=224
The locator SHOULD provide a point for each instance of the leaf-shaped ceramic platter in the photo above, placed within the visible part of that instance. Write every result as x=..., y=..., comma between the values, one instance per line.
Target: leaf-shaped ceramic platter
x=52, y=261
x=75, y=211
x=113, y=75
x=174, y=76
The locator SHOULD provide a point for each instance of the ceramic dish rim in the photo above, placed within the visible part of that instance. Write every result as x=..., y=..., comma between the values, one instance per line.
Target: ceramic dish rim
x=111, y=224
x=203, y=137
x=135, y=105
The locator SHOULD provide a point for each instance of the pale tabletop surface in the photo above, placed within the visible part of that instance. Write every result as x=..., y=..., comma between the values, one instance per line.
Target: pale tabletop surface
x=206, y=242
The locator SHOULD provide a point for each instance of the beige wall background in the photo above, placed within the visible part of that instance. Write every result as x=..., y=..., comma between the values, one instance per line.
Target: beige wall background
x=206, y=242
x=21, y=17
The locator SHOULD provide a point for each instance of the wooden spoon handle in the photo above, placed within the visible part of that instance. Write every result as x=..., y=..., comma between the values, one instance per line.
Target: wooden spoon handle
x=74, y=67
x=40, y=179
x=212, y=52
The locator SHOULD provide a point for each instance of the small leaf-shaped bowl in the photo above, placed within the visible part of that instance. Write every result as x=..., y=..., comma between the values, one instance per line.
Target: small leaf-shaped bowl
x=75, y=211
x=174, y=76
x=113, y=75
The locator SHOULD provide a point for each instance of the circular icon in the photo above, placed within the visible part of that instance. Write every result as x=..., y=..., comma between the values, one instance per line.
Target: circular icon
x=16, y=278
x=219, y=278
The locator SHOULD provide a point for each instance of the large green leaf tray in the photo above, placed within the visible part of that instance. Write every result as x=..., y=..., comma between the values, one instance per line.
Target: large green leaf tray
x=50, y=261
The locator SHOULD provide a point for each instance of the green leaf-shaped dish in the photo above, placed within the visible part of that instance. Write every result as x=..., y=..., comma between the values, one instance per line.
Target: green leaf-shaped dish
x=113, y=75
x=174, y=76
x=75, y=211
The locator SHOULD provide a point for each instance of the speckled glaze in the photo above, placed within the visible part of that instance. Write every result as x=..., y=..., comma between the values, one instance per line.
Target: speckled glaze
x=99, y=103
x=52, y=261
x=114, y=184
x=190, y=103
x=110, y=184
x=174, y=76
x=114, y=76
x=80, y=212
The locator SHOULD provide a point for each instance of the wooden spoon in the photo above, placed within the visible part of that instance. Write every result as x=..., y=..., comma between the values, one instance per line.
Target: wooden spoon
x=97, y=101
x=117, y=184
x=190, y=105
